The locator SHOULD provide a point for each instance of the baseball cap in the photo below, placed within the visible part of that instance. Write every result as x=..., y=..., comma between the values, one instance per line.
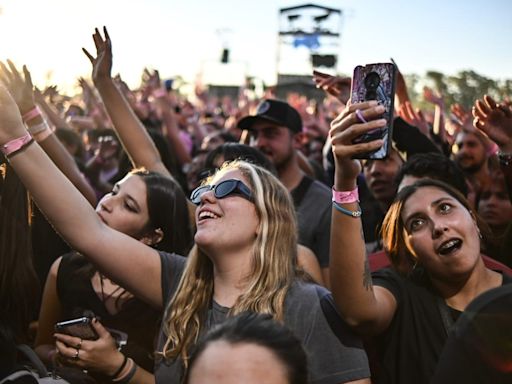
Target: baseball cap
x=275, y=111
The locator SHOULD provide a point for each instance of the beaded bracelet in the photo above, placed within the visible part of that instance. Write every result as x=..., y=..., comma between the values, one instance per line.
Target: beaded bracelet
x=346, y=211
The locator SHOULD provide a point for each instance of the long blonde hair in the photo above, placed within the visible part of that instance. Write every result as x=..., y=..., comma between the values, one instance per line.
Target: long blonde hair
x=274, y=260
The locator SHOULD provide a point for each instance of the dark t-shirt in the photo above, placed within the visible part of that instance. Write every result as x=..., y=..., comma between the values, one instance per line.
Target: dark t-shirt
x=136, y=318
x=410, y=348
x=335, y=353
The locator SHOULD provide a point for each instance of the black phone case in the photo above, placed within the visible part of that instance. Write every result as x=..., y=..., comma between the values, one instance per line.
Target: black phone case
x=80, y=327
x=365, y=88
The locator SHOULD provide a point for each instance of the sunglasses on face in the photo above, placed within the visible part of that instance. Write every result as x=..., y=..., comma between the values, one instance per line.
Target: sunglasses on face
x=223, y=189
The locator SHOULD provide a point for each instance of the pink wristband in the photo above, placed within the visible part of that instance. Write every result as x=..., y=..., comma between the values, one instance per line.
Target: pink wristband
x=344, y=197
x=15, y=145
x=34, y=112
x=159, y=93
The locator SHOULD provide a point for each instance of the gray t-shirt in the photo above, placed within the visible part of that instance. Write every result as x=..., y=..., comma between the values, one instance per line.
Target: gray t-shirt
x=314, y=221
x=335, y=354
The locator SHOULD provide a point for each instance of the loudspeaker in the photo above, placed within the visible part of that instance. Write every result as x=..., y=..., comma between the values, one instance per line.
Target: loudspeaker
x=225, y=56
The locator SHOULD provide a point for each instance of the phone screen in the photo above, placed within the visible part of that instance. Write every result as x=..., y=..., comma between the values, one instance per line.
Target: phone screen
x=376, y=82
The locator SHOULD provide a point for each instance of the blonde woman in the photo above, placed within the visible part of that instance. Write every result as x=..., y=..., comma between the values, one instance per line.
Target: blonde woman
x=244, y=259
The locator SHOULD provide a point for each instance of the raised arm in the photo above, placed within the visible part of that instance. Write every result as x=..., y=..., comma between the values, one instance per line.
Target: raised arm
x=134, y=138
x=495, y=121
x=21, y=89
x=114, y=253
x=366, y=308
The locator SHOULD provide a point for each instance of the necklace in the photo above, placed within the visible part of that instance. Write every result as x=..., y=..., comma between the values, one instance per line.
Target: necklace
x=105, y=298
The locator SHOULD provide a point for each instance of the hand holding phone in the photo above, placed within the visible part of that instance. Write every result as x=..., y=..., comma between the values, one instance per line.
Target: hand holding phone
x=80, y=327
x=375, y=82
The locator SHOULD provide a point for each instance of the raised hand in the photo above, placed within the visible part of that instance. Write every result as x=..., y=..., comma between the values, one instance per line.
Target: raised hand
x=463, y=116
x=20, y=87
x=336, y=86
x=415, y=118
x=11, y=125
x=344, y=129
x=433, y=98
x=495, y=120
x=102, y=63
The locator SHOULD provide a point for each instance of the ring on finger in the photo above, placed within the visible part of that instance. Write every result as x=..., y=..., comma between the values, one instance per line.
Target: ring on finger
x=76, y=357
x=360, y=116
x=79, y=345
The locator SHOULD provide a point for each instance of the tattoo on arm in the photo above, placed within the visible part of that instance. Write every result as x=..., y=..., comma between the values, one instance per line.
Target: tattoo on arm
x=367, y=276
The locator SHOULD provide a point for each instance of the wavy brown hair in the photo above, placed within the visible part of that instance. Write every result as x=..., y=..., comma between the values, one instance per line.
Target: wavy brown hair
x=274, y=261
x=393, y=228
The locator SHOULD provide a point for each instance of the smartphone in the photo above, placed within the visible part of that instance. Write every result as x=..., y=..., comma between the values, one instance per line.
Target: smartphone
x=376, y=82
x=80, y=327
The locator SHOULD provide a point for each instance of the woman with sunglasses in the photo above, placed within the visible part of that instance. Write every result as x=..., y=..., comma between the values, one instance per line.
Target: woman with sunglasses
x=432, y=225
x=244, y=259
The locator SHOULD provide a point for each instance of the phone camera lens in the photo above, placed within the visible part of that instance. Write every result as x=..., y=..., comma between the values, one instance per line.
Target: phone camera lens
x=371, y=82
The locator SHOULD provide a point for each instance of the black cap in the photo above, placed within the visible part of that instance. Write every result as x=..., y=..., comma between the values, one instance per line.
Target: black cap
x=274, y=111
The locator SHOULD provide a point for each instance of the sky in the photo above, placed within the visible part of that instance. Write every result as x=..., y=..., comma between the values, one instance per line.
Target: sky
x=186, y=37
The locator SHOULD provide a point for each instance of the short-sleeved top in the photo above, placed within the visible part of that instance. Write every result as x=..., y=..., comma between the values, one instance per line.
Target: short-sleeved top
x=335, y=354
x=314, y=217
x=410, y=348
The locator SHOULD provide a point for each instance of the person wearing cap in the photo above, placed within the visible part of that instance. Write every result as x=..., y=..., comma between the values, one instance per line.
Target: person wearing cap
x=275, y=129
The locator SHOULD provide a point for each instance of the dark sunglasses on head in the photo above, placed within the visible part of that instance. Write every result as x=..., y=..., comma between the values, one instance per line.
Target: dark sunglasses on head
x=221, y=190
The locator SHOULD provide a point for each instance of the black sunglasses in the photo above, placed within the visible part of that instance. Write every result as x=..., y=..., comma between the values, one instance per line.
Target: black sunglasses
x=221, y=190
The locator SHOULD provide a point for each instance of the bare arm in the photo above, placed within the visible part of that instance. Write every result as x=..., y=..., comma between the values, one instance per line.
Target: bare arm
x=367, y=308
x=22, y=90
x=50, y=313
x=133, y=135
x=55, y=119
x=114, y=253
x=171, y=129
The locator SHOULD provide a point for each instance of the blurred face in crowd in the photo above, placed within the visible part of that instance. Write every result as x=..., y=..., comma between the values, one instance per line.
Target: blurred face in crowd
x=226, y=363
x=275, y=141
x=380, y=176
x=494, y=205
x=471, y=155
x=125, y=209
x=440, y=232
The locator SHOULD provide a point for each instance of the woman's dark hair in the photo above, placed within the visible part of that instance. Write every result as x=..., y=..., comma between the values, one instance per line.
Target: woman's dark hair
x=262, y=330
x=235, y=151
x=168, y=210
x=19, y=286
x=393, y=227
x=434, y=166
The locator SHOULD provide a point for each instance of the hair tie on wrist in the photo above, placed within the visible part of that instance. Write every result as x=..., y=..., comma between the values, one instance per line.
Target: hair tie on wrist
x=120, y=369
x=348, y=212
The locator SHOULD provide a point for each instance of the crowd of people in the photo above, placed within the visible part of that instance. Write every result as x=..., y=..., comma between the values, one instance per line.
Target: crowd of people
x=232, y=240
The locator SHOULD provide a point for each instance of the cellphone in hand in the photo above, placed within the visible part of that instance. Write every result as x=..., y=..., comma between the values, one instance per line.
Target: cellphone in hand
x=80, y=327
x=376, y=82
